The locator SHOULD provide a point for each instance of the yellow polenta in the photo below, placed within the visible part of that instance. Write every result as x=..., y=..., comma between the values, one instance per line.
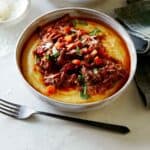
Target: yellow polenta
x=114, y=45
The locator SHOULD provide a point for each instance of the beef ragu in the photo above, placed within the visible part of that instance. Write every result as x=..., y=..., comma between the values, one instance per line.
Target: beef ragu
x=77, y=54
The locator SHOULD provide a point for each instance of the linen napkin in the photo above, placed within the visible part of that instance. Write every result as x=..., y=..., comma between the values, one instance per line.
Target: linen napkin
x=136, y=18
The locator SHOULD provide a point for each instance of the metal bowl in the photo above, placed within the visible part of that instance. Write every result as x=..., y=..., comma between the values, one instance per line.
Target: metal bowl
x=84, y=12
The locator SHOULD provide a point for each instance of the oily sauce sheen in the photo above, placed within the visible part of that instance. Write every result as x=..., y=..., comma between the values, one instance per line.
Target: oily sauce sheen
x=76, y=60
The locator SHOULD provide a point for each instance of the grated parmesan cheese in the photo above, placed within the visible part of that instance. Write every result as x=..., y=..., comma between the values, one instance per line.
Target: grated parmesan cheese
x=4, y=10
x=10, y=9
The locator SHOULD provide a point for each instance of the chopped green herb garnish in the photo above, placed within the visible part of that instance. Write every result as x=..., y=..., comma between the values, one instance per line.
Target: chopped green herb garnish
x=37, y=58
x=78, y=50
x=95, y=31
x=74, y=22
x=48, y=57
x=81, y=22
x=80, y=78
x=56, y=55
x=55, y=52
x=95, y=70
x=83, y=92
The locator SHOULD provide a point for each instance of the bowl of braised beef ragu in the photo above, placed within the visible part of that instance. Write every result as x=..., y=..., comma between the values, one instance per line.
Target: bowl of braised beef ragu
x=76, y=58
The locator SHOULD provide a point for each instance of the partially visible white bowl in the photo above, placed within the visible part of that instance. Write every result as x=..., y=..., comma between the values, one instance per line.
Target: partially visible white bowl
x=18, y=17
x=81, y=1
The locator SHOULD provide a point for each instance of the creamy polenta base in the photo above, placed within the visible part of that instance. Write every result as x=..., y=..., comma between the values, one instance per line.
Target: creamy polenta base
x=114, y=45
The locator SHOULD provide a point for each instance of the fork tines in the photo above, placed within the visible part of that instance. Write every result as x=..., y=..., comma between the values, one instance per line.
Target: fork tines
x=8, y=108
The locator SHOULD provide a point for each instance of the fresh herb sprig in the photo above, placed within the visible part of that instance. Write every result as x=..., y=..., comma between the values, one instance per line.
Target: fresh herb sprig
x=75, y=22
x=78, y=50
x=55, y=52
x=95, y=31
x=83, y=93
x=37, y=59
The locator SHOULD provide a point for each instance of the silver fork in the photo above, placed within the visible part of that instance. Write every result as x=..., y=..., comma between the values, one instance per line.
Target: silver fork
x=23, y=112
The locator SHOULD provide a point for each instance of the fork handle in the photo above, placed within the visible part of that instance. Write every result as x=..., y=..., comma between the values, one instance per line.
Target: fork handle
x=102, y=125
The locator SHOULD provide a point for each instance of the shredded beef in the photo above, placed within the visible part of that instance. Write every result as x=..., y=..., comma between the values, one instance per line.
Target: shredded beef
x=65, y=54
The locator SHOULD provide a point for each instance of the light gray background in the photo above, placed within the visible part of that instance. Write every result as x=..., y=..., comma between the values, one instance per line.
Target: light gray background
x=42, y=133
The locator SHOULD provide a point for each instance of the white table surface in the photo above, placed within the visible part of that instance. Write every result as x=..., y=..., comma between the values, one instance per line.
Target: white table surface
x=42, y=133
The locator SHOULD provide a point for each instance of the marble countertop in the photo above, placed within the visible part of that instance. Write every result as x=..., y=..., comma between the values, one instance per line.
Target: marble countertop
x=42, y=133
